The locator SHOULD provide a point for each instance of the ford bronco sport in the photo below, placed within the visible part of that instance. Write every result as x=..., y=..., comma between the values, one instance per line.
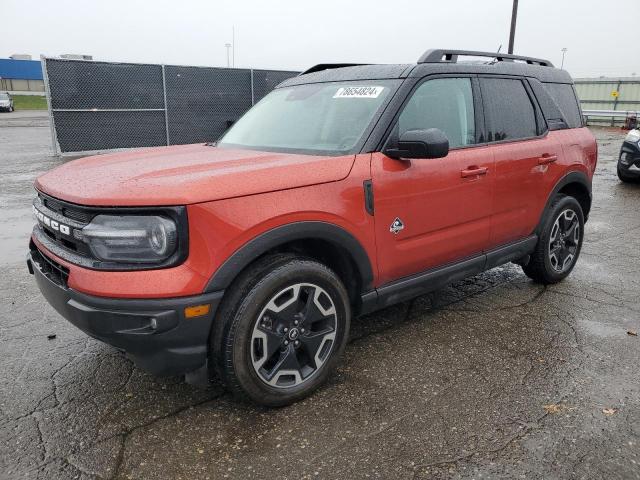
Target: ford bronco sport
x=345, y=190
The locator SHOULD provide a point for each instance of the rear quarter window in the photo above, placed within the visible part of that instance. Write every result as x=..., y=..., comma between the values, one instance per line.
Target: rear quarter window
x=565, y=98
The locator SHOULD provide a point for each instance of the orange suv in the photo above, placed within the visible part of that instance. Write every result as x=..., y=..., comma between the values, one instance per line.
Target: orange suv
x=345, y=190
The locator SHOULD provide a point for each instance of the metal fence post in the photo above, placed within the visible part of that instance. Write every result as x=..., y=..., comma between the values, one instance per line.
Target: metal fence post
x=615, y=103
x=252, y=94
x=47, y=92
x=166, y=116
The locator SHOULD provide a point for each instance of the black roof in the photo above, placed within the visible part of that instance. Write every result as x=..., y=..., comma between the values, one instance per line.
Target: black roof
x=435, y=62
x=360, y=72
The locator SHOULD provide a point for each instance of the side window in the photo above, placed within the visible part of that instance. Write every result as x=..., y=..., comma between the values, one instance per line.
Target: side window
x=565, y=98
x=444, y=103
x=508, y=109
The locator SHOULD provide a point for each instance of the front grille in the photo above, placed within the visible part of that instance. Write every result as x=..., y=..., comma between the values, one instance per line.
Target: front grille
x=66, y=209
x=73, y=216
x=49, y=268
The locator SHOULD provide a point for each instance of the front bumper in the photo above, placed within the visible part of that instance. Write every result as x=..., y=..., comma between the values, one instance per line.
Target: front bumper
x=154, y=332
x=629, y=155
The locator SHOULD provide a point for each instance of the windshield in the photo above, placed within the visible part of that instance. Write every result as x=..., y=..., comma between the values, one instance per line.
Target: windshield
x=4, y=96
x=314, y=118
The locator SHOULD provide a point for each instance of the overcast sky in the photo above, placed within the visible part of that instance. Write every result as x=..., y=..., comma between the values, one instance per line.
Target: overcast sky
x=601, y=37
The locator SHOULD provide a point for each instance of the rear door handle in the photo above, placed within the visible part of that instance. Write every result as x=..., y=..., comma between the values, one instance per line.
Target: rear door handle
x=473, y=171
x=546, y=159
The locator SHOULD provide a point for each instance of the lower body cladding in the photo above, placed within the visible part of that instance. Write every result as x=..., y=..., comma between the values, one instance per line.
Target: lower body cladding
x=159, y=337
x=155, y=333
x=415, y=285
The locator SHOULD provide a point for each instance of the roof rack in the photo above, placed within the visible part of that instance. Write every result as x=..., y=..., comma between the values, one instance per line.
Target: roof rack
x=329, y=66
x=451, y=56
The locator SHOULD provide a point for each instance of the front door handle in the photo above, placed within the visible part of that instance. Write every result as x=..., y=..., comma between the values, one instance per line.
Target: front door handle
x=546, y=159
x=473, y=171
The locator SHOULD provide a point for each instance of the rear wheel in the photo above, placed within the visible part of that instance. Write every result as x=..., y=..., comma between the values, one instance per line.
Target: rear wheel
x=284, y=328
x=559, y=243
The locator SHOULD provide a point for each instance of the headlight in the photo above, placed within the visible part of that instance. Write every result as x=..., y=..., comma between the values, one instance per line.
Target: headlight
x=131, y=239
x=633, y=136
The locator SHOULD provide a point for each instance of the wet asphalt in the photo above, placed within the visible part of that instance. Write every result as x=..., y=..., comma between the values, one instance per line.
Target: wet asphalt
x=493, y=377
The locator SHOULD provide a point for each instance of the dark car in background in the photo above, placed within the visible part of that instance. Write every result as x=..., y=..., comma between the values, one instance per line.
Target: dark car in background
x=6, y=102
x=629, y=159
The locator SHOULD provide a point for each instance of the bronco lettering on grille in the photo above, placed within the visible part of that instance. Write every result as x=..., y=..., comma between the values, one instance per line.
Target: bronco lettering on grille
x=52, y=224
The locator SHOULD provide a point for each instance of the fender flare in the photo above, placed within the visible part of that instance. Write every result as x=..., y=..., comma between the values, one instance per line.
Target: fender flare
x=571, y=177
x=275, y=237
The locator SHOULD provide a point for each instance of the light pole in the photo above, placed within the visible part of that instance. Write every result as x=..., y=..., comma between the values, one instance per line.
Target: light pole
x=512, y=33
x=228, y=46
x=564, y=51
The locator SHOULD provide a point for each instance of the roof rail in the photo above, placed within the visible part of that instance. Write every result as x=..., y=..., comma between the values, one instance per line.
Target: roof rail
x=451, y=56
x=329, y=66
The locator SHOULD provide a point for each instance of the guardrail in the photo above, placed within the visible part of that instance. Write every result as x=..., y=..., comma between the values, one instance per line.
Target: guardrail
x=609, y=115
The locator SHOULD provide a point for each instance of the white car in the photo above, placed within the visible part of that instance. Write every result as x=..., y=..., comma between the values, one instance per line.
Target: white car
x=6, y=102
x=629, y=159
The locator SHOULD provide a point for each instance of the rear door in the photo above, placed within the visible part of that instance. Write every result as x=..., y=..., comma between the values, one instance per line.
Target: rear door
x=525, y=157
x=431, y=212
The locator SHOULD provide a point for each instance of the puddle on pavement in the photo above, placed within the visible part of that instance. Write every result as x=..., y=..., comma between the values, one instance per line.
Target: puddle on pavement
x=603, y=330
x=15, y=237
x=596, y=227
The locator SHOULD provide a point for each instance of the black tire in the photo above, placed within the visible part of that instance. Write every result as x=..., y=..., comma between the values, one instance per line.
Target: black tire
x=628, y=177
x=544, y=267
x=234, y=344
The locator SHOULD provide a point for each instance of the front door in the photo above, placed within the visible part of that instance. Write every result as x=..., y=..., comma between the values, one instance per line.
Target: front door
x=431, y=212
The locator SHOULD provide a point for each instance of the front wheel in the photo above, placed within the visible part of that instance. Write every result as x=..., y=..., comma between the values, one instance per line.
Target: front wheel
x=559, y=243
x=284, y=328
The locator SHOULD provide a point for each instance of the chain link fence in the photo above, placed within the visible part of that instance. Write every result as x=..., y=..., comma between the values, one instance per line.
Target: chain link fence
x=102, y=105
x=608, y=101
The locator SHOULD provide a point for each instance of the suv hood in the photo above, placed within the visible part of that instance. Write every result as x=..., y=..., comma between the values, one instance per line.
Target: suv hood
x=185, y=174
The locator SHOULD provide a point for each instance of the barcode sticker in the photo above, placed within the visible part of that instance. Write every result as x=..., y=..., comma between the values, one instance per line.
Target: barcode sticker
x=358, y=92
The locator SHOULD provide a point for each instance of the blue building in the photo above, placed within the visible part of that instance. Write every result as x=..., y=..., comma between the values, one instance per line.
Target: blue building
x=21, y=76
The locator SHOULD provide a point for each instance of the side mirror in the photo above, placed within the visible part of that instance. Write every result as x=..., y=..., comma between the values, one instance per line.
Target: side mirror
x=430, y=143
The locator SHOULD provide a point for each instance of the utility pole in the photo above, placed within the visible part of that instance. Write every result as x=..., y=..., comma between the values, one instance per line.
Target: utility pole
x=512, y=33
x=228, y=46
x=564, y=50
x=233, y=46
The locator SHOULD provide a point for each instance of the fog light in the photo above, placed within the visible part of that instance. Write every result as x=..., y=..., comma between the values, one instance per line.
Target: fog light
x=624, y=158
x=197, y=310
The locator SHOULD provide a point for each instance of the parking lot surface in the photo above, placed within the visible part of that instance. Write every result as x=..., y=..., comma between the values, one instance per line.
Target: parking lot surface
x=493, y=377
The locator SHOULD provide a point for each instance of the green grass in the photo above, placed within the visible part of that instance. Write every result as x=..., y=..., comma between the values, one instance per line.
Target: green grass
x=29, y=102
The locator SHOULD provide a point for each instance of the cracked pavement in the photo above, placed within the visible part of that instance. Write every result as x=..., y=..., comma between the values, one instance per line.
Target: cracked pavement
x=493, y=377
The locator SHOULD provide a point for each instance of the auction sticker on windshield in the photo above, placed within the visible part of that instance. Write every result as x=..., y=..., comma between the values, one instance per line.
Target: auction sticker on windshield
x=358, y=92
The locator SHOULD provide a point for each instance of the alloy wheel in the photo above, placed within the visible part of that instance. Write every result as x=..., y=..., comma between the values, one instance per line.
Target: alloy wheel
x=564, y=241
x=294, y=335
